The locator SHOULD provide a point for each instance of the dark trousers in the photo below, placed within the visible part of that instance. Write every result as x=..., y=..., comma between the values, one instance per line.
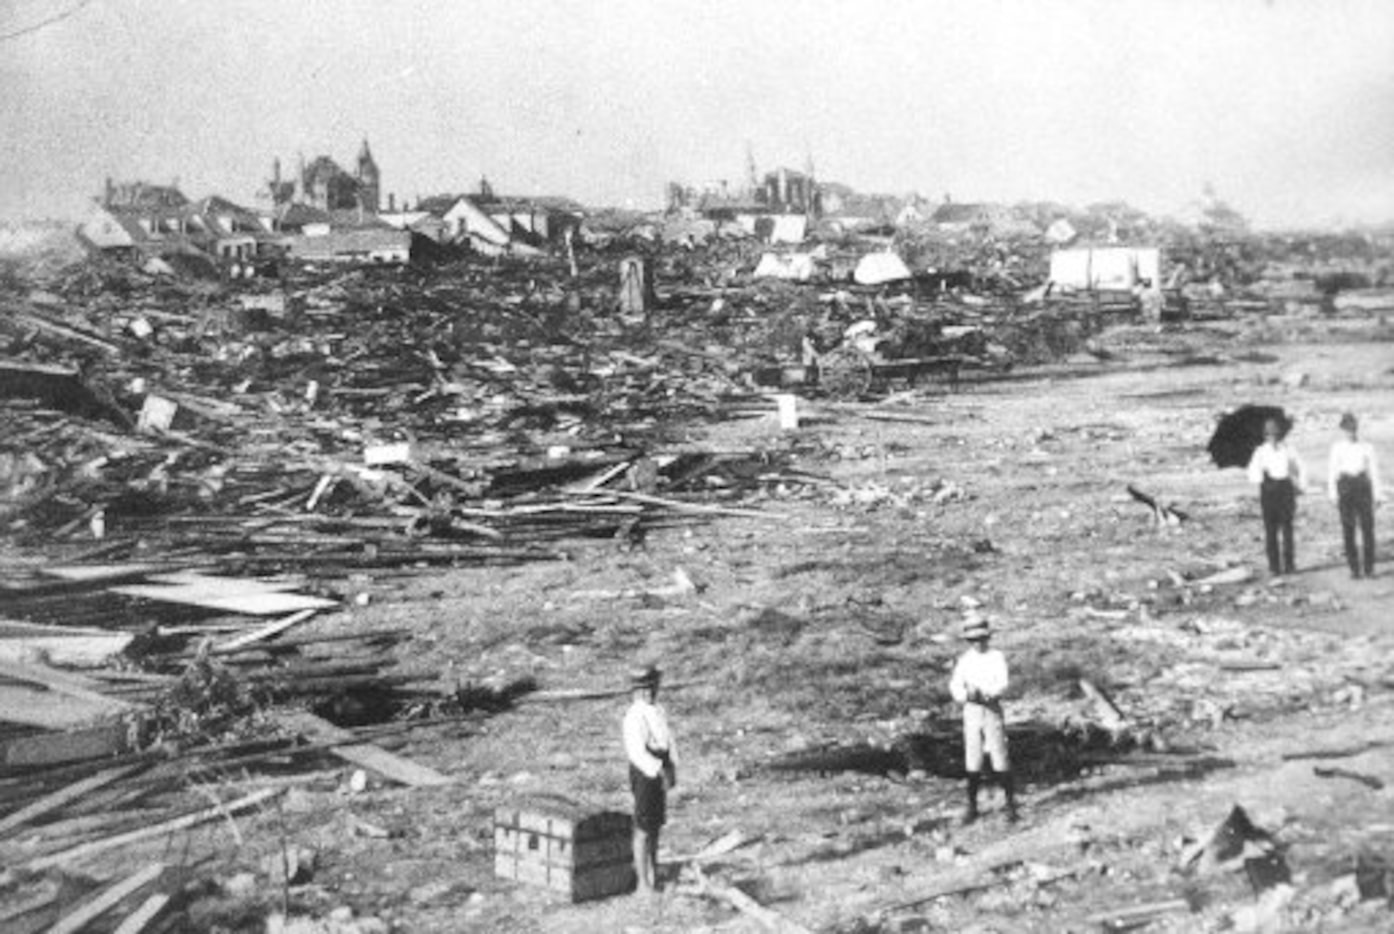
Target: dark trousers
x=1356, y=500
x=1278, y=501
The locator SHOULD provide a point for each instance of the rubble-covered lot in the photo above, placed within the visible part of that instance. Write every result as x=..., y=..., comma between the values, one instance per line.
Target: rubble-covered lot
x=472, y=498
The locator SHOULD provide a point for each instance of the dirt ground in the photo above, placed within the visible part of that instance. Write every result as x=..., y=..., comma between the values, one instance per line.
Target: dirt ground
x=809, y=670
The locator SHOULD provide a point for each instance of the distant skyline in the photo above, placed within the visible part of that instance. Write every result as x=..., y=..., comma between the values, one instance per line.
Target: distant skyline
x=1286, y=107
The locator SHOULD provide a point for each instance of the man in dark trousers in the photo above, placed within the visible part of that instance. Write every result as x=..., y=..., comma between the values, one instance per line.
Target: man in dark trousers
x=1352, y=481
x=649, y=745
x=978, y=682
x=1274, y=467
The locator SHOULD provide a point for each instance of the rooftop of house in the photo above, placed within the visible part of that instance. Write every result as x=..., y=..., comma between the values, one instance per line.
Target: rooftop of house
x=141, y=195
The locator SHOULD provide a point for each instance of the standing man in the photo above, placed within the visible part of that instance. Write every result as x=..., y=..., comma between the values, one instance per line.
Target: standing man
x=1277, y=471
x=649, y=745
x=978, y=682
x=1353, y=484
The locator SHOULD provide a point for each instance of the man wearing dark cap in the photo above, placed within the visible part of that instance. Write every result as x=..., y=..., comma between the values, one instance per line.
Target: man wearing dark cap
x=978, y=682
x=649, y=746
x=1353, y=484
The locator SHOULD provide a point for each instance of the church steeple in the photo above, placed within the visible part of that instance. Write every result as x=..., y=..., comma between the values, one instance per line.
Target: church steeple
x=369, y=179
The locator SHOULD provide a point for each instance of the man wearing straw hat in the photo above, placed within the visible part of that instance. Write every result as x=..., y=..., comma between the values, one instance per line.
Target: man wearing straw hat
x=649, y=746
x=978, y=682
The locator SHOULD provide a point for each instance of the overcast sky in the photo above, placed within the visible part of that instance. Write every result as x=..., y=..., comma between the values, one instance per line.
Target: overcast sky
x=1285, y=106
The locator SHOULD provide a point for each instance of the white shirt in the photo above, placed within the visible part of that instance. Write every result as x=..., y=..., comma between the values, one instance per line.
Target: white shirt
x=1277, y=461
x=645, y=728
x=1350, y=459
x=985, y=671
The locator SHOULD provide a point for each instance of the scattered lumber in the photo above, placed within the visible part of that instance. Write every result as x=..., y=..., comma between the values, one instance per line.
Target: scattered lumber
x=769, y=920
x=361, y=754
x=106, y=899
x=184, y=822
x=148, y=912
x=57, y=799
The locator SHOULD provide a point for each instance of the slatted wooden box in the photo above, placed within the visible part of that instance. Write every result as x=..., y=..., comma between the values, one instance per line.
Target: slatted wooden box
x=564, y=846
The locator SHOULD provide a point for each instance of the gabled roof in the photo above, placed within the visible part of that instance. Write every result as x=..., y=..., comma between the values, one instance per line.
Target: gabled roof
x=144, y=196
x=559, y=203
x=130, y=222
x=300, y=214
x=955, y=213
x=353, y=219
x=437, y=204
x=322, y=165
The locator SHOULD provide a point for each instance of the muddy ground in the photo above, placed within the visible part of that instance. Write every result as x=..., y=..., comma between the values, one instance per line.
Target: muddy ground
x=809, y=670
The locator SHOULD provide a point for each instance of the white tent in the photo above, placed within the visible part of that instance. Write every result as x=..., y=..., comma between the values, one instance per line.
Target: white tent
x=878, y=268
x=794, y=266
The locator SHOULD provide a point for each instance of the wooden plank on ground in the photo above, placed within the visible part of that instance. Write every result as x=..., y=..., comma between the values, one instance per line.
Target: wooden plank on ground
x=770, y=920
x=33, y=705
x=249, y=603
x=60, y=645
x=57, y=799
x=93, y=573
x=217, y=584
x=142, y=917
x=107, y=899
x=264, y=632
x=95, y=742
x=366, y=755
x=94, y=847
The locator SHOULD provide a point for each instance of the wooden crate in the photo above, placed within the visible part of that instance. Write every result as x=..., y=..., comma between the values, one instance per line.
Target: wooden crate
x=564, y=846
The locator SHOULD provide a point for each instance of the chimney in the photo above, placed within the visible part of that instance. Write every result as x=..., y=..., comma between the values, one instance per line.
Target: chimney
x=391, y=202
x=110, y=191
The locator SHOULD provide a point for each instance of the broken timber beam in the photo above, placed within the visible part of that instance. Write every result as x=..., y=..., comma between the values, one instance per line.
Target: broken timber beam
x=265, y=632
x=1136, y=915
x=1109, y=714
x=362, y=754
x=770, y=920
x=142, y=917
x=56, y=800
x=108, y=898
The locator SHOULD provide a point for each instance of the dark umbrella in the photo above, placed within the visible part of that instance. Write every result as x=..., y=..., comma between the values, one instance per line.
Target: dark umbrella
x=1241, y=431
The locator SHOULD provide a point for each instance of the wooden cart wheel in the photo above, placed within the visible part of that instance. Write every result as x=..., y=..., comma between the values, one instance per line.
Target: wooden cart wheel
x=844, y=373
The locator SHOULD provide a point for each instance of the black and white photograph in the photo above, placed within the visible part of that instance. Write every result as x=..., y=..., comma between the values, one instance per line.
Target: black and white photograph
x=725, y=467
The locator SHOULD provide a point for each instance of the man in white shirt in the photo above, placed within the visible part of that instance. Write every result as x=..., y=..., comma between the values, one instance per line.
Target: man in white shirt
x=1277, y=471
x=649, y=745
x=978, y=682
x=1352, y=482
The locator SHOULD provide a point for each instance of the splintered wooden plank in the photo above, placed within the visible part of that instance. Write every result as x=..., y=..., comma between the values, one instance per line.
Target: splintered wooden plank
x=264, y=632
x=95, y=742
x=59, y=682
x=55, y=800
x=143, y=916
x=107, y=899
x=90, y=573
x=21, y=642
x=34, y=706
x=366, y=755
x=249, y=603
x=212, y=583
